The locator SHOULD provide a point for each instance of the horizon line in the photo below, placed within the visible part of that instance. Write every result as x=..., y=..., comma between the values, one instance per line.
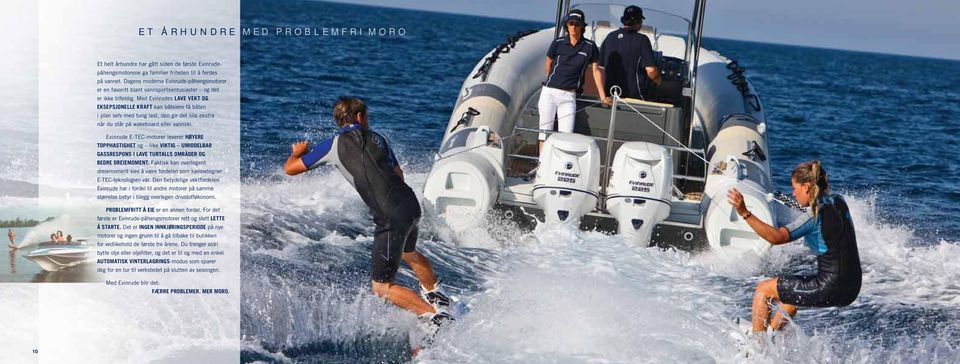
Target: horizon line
x=938, y=58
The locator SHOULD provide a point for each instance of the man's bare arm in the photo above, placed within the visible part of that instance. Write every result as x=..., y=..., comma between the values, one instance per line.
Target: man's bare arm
x=653, y=73
x=598, y=79
x=294, y=164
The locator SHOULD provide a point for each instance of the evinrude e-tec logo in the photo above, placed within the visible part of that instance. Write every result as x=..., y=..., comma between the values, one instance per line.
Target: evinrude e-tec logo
x=567, y=177
x=569, y=165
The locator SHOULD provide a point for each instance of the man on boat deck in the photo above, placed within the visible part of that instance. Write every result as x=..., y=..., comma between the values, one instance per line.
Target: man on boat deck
x=627, y=57
x=366, y=160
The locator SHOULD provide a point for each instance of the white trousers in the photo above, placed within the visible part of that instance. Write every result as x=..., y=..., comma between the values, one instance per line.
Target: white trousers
x=557, y=103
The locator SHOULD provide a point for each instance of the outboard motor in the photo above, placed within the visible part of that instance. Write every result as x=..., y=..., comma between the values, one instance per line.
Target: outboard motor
x=465, y=179
x=568, y=179
x=739, y=159
x=638, y=194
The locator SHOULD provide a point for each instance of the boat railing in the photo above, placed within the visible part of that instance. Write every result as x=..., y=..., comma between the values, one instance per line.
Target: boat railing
x=679, y=150
x=669, y=147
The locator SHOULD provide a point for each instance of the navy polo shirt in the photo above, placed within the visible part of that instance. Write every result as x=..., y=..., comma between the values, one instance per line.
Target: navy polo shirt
x=570, y=61
x=625, y=54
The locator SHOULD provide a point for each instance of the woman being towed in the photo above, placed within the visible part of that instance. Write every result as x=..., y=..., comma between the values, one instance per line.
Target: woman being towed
x=827, y=229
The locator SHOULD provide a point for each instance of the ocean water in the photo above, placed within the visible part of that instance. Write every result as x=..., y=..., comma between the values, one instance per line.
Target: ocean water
x=883, y=125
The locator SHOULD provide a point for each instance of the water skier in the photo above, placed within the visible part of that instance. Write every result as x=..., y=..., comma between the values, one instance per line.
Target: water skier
x=13, y=239
x=827, y=230
x=368, y=163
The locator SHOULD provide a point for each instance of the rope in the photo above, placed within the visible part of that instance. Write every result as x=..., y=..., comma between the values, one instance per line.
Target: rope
x=615, y=92
x=769, y=196
x=440, y=157
x=577, y=110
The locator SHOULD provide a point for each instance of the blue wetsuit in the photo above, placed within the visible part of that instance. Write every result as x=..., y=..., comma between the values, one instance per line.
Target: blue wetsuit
x=366, y=160
x=830, y=236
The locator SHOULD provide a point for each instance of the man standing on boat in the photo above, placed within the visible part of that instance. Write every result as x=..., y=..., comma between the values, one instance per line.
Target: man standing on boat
x=567, y=59
x=627, y=57
x=366, y=160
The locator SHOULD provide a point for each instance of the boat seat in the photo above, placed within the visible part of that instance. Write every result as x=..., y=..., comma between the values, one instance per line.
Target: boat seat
x=590, y=92
x=645, y=103
x=594, y=121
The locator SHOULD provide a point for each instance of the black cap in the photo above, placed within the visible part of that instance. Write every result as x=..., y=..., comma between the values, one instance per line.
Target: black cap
x=631, y=15
x=577, y=16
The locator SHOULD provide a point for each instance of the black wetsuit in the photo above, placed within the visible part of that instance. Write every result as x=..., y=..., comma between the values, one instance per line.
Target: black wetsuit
x=366, y=160
x=831, y=237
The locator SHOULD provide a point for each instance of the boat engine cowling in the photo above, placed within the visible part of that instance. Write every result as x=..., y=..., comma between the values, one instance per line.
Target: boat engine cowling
x=727, y=233
x=641, y=183
x=739, y=161
x=568, y=179
x=465, y=179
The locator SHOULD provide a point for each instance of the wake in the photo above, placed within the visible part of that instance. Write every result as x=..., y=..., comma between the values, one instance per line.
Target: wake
x=558, y=294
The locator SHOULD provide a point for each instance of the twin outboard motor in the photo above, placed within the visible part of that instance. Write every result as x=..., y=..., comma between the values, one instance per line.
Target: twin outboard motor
x=638, y=195
x=568, y=179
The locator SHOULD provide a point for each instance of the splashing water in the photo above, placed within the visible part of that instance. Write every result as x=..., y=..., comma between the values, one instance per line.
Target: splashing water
x=557, y=294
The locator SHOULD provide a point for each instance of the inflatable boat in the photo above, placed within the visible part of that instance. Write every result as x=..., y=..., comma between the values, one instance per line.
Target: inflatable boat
x=655, y=171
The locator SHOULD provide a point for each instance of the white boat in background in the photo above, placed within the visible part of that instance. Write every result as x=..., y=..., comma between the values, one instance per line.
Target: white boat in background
x=671, y=159
x=53, y=256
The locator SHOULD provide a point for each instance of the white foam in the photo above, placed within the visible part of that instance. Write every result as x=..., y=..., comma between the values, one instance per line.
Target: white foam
x=562, y=295
x=898, y=266
x=572, y=296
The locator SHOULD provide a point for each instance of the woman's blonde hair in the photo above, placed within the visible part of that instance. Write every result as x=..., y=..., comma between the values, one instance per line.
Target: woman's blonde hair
x=813, y=173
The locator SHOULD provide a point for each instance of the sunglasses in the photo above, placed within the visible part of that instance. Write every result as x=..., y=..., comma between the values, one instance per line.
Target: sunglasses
x=573, y=23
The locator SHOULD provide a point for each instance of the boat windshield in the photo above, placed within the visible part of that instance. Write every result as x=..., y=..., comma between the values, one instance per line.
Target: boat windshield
x=657, y=22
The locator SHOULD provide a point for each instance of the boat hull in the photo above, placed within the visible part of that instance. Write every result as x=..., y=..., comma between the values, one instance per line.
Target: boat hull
x=54, y=258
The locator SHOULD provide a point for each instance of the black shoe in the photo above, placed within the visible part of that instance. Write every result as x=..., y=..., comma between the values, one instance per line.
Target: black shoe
x=436, y=298
x=432, y=324
x=441, y=319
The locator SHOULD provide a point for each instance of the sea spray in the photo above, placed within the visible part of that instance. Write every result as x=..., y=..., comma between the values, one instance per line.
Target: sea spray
x=557, y=294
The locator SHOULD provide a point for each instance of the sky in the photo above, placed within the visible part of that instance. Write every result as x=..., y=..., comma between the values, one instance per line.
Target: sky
x=928, y=28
